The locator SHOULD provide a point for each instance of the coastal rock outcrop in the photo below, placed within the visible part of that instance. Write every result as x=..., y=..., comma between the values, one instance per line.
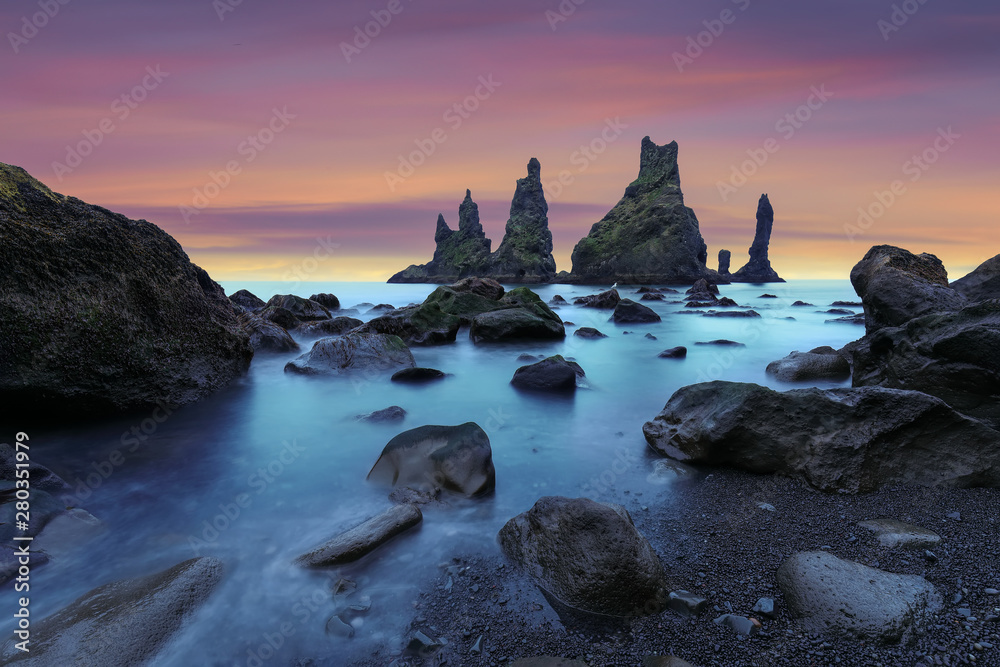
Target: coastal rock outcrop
x=458, y=253
x=520, y=315
x=650, y=236
x=853, y=440
x=895, y=286
x=525, y=254
x=588, y=555
x=725, y=258
x=983, y=283
x=758, y=269
x=265, y=335
x=100, y=313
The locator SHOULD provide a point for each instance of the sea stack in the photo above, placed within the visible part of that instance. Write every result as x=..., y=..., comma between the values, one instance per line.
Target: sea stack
x=725, y=257
x=758, y=269
x=458, y=254
x=525, y=254
x=650, y=236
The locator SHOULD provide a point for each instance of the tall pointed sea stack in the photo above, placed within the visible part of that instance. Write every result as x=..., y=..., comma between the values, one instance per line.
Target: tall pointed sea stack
x=458, y=254
x=525, y=254
x=758, y=269
x=650, y=236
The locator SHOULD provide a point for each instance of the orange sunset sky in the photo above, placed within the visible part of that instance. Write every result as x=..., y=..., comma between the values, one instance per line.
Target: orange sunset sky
x=136, y=106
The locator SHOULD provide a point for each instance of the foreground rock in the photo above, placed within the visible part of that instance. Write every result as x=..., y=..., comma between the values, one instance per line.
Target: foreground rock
x=588, y=555
x=554, y=374
x=982, y=284
x=457, y=254
x=954, y=356
x=100, y=313
x=266, y=335
x=247, y=300
x=351, y=353
x=522, y=315
x=839, y=439
x=650, y=236
x=822, y=363
x=431, y=458
x=123, y=623
x=363, y=539
x=758, y=269
x=337, y=326
x=895, y=286
x=833, y=596
x=630, y=312
x=892, y=533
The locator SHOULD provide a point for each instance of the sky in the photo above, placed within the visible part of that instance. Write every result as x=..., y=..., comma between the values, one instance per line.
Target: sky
x=320, y=140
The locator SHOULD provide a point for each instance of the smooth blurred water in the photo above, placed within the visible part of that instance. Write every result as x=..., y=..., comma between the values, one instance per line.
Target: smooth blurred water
x=290, y=446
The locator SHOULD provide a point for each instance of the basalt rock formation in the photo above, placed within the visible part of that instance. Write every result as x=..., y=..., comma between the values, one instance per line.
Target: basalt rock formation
x=100, y=313
x=981, y=284
x=459, y=254
x=524, y=255
x=725, y=258
x=758, y=269
x=650, y=236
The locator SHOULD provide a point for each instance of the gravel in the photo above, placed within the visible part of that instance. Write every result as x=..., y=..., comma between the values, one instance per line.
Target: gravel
x=717, y=542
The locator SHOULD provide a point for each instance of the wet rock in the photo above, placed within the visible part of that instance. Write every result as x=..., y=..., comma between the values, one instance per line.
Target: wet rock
x=10, y=562
x=650, y=336
x=123, y=623
x=758, y=269
x=982, y=284
x=630, y=312
x=453, y=458
x=768, y=296
x=646, y=289
x=678, y=352
x=304, y=310
x=526, y=317
x=847, y=304
x=363, y=539
x=328, y=301
x=336, y=626
x=892, y=533
x=417, y=375
x=266, y=336
x=605, y=300
x=352, y=353
x=841, y=597
x=393, y=413
x=652, y=297
x=722, y=342
x=896, y=286
x=816, y=364
x=848, y=319
x=554, y=374
x=423, y=645
x=686, y=604
x=558, y=301
x=589, y=332
x=336, y=326
x=839, y=439
x=588, y=555
x=283, y=317
x=247, y=300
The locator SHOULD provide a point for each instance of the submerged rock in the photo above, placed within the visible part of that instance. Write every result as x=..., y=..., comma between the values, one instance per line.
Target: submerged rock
x=554, y=374
x=363, y=539
x=758, y=269
x=588, y=555
x=833, y=596
x=589, y=332
x=417, y=375
x=102, y=314
x=431, y=458
x=393, y=413
x=678, y=352
x=650, y=236
x=123, y=623
x=817, y=364
x=630, y=312
x=896, y=286
x=853, y=440
x=353, y=352
x=605, y=300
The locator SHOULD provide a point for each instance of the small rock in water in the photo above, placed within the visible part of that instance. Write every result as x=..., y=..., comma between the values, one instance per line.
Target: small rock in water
x=650, y=336
x=674, y=353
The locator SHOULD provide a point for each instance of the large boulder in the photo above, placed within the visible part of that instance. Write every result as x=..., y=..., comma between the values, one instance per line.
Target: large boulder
x=588, y=555
x=525, y=254
x=247, y=300
x=123, y=623
x=895, y=286
x=425, y=324
x=954, y=356
x=328, y=301
x=554, y=374
x=457, y=253
x=265, y=335
x=829, y=595
x=983, y=283
x=355, y=352
x=822, y=363
x=650, y=236
x=605, y=300
x=431, y=458
x=849, y=440
x=304, y=310
x=758, y=269
x=361, y=540
x=100, y=313
x=522, y=315
x=630, y=312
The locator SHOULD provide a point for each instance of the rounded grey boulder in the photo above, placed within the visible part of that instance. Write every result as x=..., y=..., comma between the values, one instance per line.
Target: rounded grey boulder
x=818, y=364
x=353, y=352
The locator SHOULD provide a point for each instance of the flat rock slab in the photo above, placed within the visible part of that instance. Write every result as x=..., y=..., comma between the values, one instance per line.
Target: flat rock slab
x=123, y=623
x=841, y=597
x=362, y=540
x=892, y=533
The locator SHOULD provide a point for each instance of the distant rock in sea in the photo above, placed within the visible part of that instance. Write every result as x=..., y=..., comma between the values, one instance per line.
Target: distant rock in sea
x=100, y=313
x=725, y=258
x=524, y=255
x=650, y=236
x=758, y=269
